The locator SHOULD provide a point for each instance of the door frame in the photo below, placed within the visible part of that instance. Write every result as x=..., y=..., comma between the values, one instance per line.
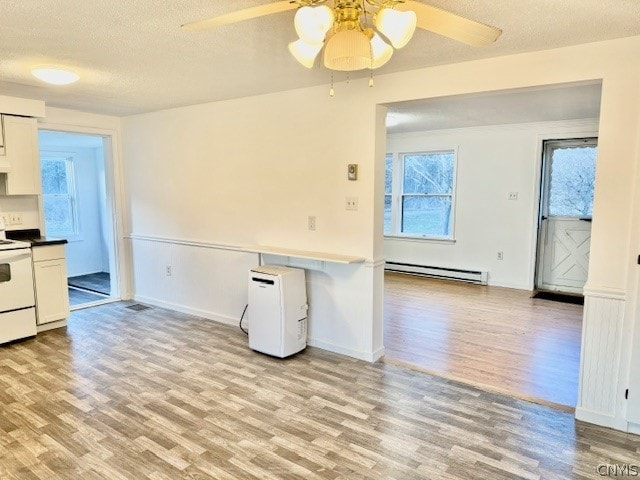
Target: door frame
x=589, y=130
x=544, y=199
x=114, y=202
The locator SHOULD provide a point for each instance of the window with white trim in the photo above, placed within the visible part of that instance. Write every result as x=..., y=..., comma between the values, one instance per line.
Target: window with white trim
x=420, y=194
x=59, y=196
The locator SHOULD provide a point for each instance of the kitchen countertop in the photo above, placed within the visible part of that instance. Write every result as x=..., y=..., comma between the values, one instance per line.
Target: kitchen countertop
x=34, y=237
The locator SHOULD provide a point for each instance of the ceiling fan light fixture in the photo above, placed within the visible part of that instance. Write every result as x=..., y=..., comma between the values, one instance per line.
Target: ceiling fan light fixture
x=347, y=51
x=381, y=51
x=54, y=75
x=351, y=38
x=304, y=52
x=397, y=26
x=313, y=23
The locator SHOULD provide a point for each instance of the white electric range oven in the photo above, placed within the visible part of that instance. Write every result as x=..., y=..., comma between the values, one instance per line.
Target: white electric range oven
x=17, y=300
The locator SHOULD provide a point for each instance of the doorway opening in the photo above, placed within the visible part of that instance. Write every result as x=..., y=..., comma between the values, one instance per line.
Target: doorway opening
x=566, y=207
x=77, y=206
x=462, y=215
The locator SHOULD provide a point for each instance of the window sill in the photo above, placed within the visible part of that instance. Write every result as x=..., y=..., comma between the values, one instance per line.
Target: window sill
x=420, y=239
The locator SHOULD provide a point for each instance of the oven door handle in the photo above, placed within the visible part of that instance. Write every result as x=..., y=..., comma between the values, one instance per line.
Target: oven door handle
x=13, y=255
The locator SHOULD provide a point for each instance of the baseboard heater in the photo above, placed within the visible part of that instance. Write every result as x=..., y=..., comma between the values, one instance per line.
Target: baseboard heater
x=471, y=276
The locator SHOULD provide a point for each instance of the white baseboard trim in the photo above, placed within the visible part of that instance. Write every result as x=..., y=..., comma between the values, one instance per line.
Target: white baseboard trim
x=597, y=418
x=51, y=326
x=634, y=428
x=360, y=355
x=512, y=286
x=216, y=317
x=226, y=320
x=377, y=354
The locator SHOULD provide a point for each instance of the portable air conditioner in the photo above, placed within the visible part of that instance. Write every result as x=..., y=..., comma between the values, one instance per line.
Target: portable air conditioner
x=277, y=310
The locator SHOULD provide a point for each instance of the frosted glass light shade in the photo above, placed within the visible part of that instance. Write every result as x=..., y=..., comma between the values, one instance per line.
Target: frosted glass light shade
x=397, y=26
x=381, y=51
x=313, y=23
x=347, y=51
x=54, y=75
x=304, y=52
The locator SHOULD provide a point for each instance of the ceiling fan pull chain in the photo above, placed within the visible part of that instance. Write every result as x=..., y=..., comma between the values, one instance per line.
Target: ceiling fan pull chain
x=371, y=55
x=332, y=92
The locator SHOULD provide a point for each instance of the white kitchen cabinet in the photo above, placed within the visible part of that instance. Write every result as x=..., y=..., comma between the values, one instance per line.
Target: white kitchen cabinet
x=50, y=279
x=19, y=160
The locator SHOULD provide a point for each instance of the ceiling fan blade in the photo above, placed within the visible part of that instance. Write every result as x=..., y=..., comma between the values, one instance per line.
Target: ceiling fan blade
x=241, y=15
x=451, y=25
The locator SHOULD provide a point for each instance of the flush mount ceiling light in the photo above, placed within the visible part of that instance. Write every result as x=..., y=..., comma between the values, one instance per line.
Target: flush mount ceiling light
x=54, y=75
x=359, y=34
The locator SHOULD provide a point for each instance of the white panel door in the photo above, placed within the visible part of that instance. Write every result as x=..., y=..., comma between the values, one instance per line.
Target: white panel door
x=564, y=241
x=566, y=254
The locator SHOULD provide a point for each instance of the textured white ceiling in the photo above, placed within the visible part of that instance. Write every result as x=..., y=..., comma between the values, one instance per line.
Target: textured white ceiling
x=541, y=104
x=133, y=57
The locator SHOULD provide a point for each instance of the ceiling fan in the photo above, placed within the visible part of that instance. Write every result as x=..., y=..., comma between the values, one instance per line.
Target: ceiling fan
x=359, y=34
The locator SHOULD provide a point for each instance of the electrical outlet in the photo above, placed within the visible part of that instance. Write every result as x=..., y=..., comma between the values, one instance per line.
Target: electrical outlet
x=312, y=223
x=500, y=256
x=351, y=203
x=168, y=270
x=513, y=195
x=15, y=219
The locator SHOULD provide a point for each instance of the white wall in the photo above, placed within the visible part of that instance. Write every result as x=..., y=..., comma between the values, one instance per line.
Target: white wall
x=26, y=205
x=251, y=170
x=491, y=162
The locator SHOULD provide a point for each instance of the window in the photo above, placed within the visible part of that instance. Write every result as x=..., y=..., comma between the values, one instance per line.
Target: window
x=571, y=171
x=58, y=196
x=419, y=195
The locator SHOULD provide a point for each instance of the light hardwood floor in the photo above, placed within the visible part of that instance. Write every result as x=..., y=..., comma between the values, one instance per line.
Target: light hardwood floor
x=495, y=337
x=160, y=395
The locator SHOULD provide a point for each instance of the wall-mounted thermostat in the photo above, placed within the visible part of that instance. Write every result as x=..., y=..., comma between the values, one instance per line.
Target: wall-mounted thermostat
x=352, y=171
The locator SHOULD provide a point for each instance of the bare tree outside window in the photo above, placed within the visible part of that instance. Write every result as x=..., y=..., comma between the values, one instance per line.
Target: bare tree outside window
x=425, y=199
x=58, y=192
x=572, y=181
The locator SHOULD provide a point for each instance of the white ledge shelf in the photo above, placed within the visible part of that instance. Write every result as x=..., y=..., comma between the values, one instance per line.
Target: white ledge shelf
x=322, y=256
x=262, y=249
